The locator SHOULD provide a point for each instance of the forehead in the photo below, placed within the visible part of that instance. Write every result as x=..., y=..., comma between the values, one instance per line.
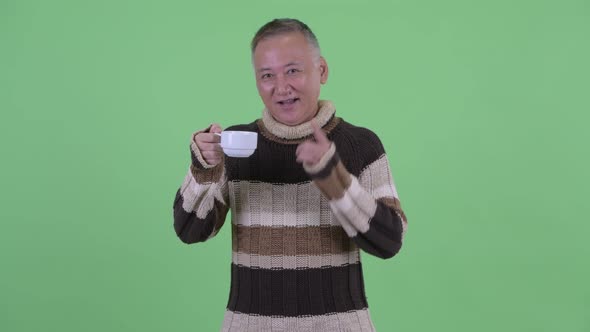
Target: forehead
x=282, y=49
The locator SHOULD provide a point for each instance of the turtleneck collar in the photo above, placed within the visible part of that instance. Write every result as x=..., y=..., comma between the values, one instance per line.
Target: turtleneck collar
x=325, y=114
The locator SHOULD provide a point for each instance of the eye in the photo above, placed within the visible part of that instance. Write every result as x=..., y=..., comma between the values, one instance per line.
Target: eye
x=266, y=76
x=293, y=71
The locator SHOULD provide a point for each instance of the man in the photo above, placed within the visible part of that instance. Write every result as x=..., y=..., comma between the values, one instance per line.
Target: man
x=315, y=191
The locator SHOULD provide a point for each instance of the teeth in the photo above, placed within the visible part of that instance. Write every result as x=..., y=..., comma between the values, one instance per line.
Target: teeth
x=288, y=101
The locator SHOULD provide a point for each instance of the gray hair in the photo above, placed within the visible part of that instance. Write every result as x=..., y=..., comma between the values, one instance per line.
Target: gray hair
x=281, y=26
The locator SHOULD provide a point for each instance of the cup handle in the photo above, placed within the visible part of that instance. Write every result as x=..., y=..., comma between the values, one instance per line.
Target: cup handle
x=217, y=134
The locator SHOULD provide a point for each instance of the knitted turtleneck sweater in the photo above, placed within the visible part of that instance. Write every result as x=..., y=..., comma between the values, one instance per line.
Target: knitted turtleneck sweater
x=296, y=232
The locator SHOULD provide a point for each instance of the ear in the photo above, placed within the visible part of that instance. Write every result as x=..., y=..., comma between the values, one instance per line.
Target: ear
x=323, y=70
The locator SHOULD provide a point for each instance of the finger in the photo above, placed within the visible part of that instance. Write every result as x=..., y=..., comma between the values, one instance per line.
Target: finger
x=215, y=128
x=311, y=154
x=206, y=146
x=299, y=152
x=300, y=159
x=307, y=160
x=310, y=157
x=208, y=138
x=211, y=154
x=213, y=161
x=303, y=147
x=305, y=156
x=318, y=133
x=210, y=147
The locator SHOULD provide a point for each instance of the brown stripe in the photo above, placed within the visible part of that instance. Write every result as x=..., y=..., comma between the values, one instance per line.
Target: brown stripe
x=209, y=175
x=221, y=212
x=264, y=132
x=394, y=204
x=343, y=175
x=335, y=185
x=290, y=241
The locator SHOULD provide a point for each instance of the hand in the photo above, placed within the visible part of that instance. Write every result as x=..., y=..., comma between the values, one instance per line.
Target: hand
x=208, y=144
x=310, y=152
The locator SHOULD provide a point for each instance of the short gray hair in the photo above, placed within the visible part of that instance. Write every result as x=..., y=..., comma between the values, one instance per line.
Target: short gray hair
x=281, y=26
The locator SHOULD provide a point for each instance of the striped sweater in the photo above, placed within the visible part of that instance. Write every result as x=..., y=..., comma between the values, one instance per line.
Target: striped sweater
x=296, y=232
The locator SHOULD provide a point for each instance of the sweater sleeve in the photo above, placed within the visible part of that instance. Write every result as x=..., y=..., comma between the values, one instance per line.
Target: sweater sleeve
x=201, y=203
x=367, y=207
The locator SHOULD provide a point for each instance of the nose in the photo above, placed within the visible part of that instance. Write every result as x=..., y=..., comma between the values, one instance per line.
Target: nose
x=283, y=88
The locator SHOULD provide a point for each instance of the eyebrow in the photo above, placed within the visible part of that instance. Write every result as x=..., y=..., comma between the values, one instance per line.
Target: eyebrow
x=292, y=63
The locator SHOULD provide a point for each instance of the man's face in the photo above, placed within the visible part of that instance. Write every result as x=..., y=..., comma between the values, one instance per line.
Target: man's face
x=289, y=74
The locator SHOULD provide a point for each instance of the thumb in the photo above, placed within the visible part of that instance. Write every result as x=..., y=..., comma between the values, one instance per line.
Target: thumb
x=215, y=128
x=318, y=133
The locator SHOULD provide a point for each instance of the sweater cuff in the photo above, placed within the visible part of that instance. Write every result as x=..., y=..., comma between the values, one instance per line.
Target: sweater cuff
x=330, y=175
x=324, y=163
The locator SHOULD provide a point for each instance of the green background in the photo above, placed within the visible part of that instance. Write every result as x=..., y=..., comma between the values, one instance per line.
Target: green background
x=482, y=107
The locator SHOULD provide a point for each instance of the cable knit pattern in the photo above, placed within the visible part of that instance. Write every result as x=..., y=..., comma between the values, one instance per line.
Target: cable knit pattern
x=297, y=232
x=325, y=113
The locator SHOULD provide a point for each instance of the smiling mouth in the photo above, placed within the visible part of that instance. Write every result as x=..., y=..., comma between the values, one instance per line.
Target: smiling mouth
x=288, y=101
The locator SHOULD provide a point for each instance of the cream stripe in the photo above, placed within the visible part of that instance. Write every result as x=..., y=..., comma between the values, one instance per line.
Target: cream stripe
x=383, y=191
x=354, y=209
x=294, y=262
x=364, y=202
x=378, y=180
x=202, y=196
x=325, y=113
x=338, y=215
x=357, y=320
x=364, y=320
x=266, y=204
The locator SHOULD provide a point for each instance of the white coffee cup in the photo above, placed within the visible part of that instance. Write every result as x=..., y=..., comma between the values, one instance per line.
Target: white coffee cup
x=238, y=144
